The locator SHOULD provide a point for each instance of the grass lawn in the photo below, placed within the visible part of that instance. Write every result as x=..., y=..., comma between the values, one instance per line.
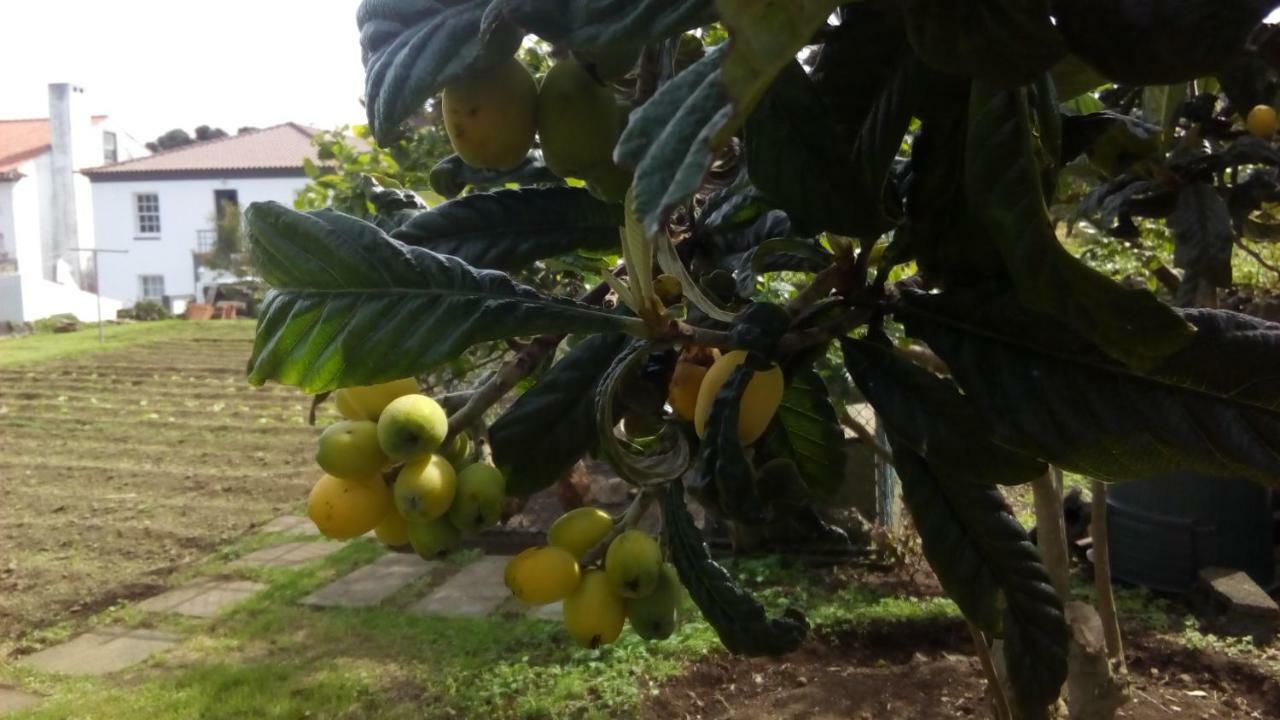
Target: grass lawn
x=123, y=466
x=273, y=658
x=41, y=347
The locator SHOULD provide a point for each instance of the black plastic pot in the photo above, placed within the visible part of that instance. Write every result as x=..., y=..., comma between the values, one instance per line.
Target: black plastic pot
x=1164, y=530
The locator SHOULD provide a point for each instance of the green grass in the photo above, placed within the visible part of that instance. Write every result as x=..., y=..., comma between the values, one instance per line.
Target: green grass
x=273, y=658
x=44, y=347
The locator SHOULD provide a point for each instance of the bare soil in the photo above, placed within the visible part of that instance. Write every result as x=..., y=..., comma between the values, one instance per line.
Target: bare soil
x=118, y=469
x=926, y=671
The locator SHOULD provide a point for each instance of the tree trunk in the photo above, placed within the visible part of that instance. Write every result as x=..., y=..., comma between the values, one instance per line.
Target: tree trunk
x=1051, y=531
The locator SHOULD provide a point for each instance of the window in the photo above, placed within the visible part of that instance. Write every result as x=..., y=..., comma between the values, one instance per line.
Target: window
x=148, y=213
x=151, y=286
x=109, y=153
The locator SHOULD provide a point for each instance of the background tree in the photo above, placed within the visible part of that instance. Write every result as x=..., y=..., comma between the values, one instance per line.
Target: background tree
x=178, y=137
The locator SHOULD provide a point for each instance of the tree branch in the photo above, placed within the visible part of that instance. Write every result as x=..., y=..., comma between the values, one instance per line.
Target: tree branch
x=1257, y=257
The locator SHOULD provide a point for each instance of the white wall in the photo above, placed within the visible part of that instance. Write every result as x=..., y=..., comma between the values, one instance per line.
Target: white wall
x=25, y=194
x=28, y=298
x=186, y=206
x=7, y=236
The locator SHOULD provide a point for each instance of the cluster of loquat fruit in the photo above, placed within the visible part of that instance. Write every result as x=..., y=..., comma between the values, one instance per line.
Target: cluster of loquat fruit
x=493, y=116
x=437, y=494
x=634, y=585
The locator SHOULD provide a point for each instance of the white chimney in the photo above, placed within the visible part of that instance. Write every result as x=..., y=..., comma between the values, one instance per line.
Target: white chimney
x=69, y=125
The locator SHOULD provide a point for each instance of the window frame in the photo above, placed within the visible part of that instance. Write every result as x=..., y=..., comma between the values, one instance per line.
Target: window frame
x=113, y=147
x=146, y=230
x=142, y=287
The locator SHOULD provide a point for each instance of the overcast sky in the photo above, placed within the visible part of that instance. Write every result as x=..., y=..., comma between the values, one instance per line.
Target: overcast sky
x=158, y=64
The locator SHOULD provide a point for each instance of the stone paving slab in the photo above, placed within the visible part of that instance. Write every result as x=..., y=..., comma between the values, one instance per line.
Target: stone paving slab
x=373, y=583
x=293, y=524
x=203, y=599
x=102, y=651
x=475, y=591
x=12, y=700
x=288, y=554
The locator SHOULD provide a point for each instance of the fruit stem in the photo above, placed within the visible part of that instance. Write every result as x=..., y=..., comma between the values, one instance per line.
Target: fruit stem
x=630, y=518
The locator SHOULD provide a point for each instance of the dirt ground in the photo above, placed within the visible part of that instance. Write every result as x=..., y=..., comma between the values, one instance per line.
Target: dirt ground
x=928, y=672
x=117, y=469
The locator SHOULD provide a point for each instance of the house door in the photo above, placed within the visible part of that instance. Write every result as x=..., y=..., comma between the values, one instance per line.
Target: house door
x=223, y=198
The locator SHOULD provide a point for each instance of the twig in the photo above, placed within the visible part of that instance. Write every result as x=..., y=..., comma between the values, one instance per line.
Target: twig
x=630, y=517
x=1254, y=254
x=865, y=435
x=512, y=372
x=1002, y=711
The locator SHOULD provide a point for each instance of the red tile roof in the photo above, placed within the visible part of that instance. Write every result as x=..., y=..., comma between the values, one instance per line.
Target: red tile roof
x=277, y=150
x=21, y=140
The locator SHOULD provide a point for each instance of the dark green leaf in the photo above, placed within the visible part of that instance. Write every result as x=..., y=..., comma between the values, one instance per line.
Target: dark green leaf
x=929, y=416
x=1114, y=141
x=741, y=622
x=1158, y=43
x=1202, y=234
x=1213, y=406
x=668, y=457
x=412, y=50
x=723, y=472
x=509, y=229
x=858, y=60
x=988, y=566
x=602, y=23
x=350, y=306
x=668, y=140
x=806, y=432
x=553, y=424
x=1002, y=181
x=878, y=144
x=794, y=156
x=451, y=175
x=1008, y=42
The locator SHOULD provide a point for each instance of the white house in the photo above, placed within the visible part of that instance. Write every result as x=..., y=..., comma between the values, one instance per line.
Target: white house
x=46, y=216
x=162, y=208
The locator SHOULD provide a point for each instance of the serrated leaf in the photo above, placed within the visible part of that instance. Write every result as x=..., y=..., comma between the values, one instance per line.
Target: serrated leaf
x=1002, y=183
x=668, y=139
x=764, y=36
x=858, y=59
x=807, y=432
x=669, y=456
x=451, y=176
x=601, y=23
x=509, y=229
x=350, y=306
x=1203, y=235
x=1009, y=42
x=929, y=416
x=988, y=566
x=795, y=157
x=412, y=50
x=738, y=619
x=553, y=424
x=1048, y=393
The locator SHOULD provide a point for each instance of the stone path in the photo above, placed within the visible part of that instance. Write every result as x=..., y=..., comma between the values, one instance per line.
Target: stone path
x=203, y=599
x=475, y=591
x=288, y=554
x=292, y=524
x=373, y=583
x=12, y=701
x=102, y=651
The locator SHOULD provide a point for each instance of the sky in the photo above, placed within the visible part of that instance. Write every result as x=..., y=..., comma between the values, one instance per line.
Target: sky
x=153, y=65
